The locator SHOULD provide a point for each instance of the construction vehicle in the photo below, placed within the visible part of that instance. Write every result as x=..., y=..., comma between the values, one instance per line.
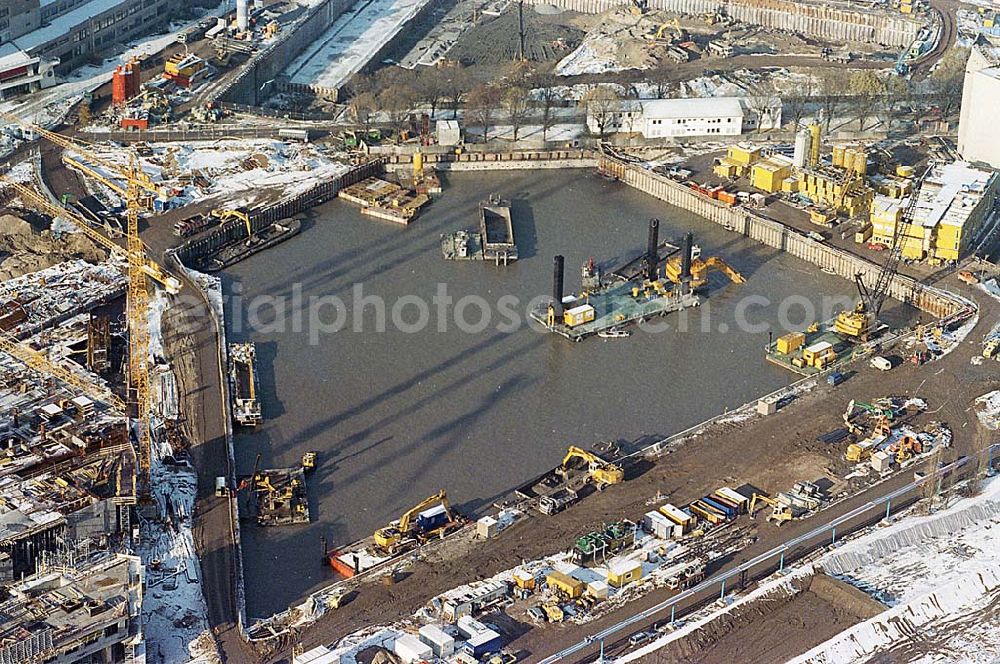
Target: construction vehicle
x=906, y=448
x=700, y=269
x=860, y=323
x=602, y=473
x=404, y=534
x=638, y=7
x=848, y=424
x=553, y=612
x=309, y=461
x=41, y=204
x=239, y=214
x=779, y=511
x=827, y=216
x=557, y=501
x=661, y=32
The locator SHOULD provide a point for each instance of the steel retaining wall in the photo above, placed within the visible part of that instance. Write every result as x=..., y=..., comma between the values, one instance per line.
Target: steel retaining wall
x=935, y=301
x=260, y=219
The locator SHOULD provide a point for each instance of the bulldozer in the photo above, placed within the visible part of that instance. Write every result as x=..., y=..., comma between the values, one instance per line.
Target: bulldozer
x=779, y=512
x=403, y=534
x=602, y=473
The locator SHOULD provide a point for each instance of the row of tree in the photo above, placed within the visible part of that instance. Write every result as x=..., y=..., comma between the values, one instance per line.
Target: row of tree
x=521, y=91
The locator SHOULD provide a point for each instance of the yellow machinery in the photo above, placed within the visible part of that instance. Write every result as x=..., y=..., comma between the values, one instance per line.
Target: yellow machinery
x=860, y=322
x=397, y=536
x=779, y=512
x=553, y=612
x=129, y=174
x=137, y=299
x=700, y=269
x=906, y=448
x=224, y=215
x=825, y=216
x=41, y=204
x=661, y=32
x=602, y=472
x=309, y=461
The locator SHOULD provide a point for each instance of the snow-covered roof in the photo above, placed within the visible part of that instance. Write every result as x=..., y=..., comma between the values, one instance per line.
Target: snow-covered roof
x=12, y=57
x=63, y=24
x=950, y=193
x=715, y=107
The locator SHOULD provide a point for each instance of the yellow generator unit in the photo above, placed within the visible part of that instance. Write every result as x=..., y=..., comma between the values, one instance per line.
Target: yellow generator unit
x=578, y=315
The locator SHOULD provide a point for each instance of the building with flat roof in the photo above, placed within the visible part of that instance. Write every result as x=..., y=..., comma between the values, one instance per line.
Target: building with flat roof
x=69, y=33
x=680, y=118
x=953, y=202
x=77, y=608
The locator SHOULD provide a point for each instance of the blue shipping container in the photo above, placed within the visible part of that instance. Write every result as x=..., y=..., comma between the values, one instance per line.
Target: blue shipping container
x=728, y=510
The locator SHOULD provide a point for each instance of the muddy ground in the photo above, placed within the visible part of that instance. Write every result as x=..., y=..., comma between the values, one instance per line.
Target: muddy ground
x=771, y=453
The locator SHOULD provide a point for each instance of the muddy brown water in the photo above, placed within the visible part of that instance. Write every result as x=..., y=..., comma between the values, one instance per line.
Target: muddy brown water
x=398, y=414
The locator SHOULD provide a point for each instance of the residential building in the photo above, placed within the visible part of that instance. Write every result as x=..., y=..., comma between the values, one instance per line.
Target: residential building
x=978, y=140
x=21, y=73
x=682, y=118
x=953, y=203
x=77, y=608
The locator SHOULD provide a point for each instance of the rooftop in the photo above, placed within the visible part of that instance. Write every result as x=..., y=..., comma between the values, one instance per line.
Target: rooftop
x=63, y=24
x=950, y=193
x=715, y=107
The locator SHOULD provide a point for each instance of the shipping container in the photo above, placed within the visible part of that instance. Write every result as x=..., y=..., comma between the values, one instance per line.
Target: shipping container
x=295, y=134
x=622, y=571
x=658, y=525
x=410, y=649
x=469, y=627
x=565, y=584
x=432, y=518
x=707, y=512
x=729, y=510
x=483, y=643
x=735, y=497
x=442, y=643
x=722, y=500
x=678, y=516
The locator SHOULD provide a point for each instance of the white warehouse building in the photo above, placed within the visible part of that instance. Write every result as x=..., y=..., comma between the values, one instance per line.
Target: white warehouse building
x=679, y=118
x=978, y=139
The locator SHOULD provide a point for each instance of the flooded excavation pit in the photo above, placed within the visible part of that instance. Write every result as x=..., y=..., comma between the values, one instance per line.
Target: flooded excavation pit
x=410, y=374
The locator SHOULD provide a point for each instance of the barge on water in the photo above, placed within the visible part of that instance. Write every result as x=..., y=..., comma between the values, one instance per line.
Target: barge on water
x=243, y=378
x=385, y=200
x=494, y=241
x=242, y=248
x=279, y=497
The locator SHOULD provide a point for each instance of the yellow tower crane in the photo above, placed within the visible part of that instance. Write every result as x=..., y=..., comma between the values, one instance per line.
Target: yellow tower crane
x=137, y=300
x=85, y=150
x=41, y=204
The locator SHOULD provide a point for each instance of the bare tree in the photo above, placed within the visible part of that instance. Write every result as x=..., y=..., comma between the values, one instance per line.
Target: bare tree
x=430, y=85
x=867, y=89
x=456, y=82
x=482, y=104
x=897, y=90
x=760, y=98
x=948, y=78
x=832, y=88
x=662, y=78
x=603, y=104
x=516, y=103
x=549, y=95
x=363, y=106
x=794, y=104
x=396, y=101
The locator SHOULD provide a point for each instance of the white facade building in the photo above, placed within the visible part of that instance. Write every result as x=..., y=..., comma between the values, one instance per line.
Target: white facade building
x=978, y=139
x=680, y=118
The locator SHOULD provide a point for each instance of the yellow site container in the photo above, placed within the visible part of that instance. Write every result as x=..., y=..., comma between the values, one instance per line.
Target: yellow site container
x=819, y=354
x=725, y=169
x=904, y=171
x=565, y=584
x=767, y=175
x=743, y=155
x=864, y=234
x=790, y=185
x=787, y=343
x=622, y=572
x=524, y=579
x=578, y=315
x=988, y=23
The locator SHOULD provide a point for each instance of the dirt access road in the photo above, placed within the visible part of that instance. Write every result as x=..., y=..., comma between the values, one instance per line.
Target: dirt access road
x=771, y=453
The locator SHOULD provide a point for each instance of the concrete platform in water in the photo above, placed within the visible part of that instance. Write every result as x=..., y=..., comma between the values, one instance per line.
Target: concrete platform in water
x=494, y=241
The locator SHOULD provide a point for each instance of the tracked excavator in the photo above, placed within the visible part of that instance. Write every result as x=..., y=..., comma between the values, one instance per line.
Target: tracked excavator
x=409, y=531
x=602, y=473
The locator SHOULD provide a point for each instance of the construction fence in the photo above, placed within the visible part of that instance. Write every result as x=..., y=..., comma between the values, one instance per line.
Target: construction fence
x=510, y=160
x=935, y=301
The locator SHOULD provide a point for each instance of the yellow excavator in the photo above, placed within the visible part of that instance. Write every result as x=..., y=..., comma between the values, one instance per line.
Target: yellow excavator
x=403, y=534
x=224, y=215
x=700, y=269
x=602, y=473
x=779, y=512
